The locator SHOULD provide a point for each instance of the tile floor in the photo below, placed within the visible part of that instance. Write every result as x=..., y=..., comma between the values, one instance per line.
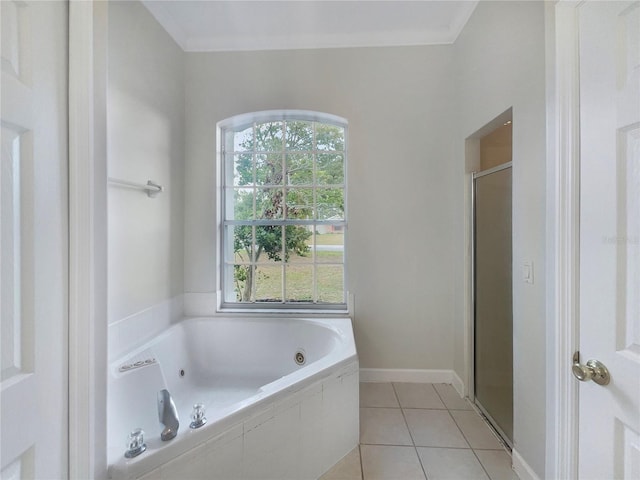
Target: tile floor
x=421, y=431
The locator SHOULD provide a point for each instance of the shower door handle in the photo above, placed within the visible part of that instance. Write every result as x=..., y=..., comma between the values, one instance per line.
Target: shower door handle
x=593, y=370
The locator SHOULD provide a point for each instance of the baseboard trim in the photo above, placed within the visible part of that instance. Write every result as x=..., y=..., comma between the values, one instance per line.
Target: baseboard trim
x=522, y=468
x=411, y=376
x=456, y=382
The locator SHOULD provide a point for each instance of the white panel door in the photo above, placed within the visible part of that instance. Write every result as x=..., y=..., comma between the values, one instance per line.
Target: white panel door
x=33, y=240
x=609, y=423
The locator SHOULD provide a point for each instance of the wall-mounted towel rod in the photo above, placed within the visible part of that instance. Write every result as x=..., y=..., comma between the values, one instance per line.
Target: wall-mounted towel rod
x=151, y=188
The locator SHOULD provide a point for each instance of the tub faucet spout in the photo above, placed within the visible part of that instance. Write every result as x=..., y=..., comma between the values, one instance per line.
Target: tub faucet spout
x=168, y=415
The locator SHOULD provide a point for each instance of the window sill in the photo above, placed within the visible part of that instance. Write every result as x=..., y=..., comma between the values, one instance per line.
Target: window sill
x=338, y=310
x=342, y=311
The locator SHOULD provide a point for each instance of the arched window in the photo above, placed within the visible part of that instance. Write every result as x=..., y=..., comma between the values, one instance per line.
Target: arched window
x=283, y=210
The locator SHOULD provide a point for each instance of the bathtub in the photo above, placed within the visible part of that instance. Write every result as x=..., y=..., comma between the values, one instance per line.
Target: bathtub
x=281, y=399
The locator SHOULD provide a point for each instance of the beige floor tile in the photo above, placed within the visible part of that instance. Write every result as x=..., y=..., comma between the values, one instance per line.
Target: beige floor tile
x=451, y=464
x=497, y=463
x=475, y=430
x=451, y=398
x=349, y=468
x=378, y=395
x=390, y=463
x=383, y=426
x=418, y=395
x=434, y=428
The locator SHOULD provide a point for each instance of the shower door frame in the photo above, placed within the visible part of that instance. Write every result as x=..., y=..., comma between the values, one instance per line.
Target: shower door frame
x=472, y=343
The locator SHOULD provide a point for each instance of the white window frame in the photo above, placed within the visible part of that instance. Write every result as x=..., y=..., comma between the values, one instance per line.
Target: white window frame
x=240, y=122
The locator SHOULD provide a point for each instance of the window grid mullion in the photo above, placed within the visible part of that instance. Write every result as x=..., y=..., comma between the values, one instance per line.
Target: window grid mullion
x=254, y=156
x=314, y=183
x=314, y=272
x=285, y=216
x=303, y=223
x=283, y=267
x=265, y=152
x=255, y=177
x=254, y=237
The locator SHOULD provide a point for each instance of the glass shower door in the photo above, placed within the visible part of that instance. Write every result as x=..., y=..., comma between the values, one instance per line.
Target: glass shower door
x=493, y=325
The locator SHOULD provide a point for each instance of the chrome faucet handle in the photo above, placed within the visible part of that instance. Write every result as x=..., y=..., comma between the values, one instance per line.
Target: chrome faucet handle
x=197, y=416
x=135, y=443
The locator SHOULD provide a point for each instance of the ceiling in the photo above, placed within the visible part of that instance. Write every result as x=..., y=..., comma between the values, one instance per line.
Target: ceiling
x=233, y=25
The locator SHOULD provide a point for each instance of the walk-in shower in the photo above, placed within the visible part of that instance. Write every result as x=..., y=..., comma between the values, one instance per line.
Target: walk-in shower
x=492, y=289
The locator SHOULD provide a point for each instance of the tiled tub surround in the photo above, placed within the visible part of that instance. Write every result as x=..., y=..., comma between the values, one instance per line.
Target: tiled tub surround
x=267, y=416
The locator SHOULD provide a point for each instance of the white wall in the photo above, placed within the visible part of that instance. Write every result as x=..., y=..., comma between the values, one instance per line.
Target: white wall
x=500, y=63
x=400, y=180
x=145, y=142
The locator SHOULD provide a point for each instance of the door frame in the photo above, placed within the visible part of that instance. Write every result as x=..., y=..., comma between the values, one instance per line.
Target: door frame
x=563, y=236
x=87, y=239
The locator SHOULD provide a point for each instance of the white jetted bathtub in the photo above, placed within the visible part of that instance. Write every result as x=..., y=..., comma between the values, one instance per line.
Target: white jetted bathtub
x=281, y=399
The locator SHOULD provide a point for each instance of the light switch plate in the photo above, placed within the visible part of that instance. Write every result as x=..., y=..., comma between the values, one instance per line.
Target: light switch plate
x=527, y=272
